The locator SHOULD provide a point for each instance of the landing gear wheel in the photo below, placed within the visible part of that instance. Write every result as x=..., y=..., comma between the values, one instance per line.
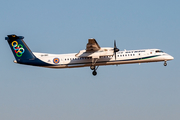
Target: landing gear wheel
x=92, y=67
x=165, y=64
x=94, y=73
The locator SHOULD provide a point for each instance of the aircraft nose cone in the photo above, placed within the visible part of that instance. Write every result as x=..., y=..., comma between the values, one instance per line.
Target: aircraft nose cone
x=170, y=57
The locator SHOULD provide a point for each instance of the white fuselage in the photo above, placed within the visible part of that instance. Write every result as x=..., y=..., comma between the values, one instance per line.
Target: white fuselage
x=122, y=57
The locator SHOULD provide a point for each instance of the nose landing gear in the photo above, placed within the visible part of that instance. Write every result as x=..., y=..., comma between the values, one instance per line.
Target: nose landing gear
x=165, y=63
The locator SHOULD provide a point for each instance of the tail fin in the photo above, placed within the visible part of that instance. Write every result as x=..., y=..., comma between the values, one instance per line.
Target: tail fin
x=19, y=48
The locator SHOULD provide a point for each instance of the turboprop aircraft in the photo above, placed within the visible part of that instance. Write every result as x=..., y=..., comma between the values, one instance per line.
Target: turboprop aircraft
x=93, y=56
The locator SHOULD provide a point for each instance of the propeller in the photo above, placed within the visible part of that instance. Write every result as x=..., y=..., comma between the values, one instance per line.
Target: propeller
x=115, y=49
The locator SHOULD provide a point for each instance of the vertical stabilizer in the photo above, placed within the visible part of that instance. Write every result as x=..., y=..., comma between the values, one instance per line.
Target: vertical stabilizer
x=19, y=48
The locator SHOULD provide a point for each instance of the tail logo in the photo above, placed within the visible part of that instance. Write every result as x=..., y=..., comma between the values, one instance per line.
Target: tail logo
x=18, y=48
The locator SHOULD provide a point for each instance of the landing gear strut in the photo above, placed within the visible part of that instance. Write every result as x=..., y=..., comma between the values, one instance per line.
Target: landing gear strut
x=94, y=68
x=165, y=63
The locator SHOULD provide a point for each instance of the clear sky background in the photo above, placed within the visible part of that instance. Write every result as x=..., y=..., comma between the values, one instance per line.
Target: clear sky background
x=148, y=91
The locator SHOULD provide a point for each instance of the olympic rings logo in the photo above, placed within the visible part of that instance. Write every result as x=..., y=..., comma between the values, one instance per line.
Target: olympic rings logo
x=56, y=60
x=18, y=48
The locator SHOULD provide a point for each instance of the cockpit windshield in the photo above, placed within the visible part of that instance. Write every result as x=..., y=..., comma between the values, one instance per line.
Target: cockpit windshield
x=159, y=51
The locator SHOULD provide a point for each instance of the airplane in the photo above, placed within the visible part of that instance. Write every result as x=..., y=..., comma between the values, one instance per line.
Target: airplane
x=93, y=56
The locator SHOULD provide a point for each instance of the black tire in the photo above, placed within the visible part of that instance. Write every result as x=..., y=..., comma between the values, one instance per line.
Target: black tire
x=94, y=73
x=165, y=64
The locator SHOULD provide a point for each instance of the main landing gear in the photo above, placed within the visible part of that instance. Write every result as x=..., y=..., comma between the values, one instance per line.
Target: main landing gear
x=94, y=68
x=165, y=63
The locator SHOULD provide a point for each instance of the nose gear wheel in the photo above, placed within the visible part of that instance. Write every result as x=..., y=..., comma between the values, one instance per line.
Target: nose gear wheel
x=165, y=63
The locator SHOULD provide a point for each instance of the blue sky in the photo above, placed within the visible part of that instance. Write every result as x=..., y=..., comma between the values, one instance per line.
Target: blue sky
x=128, y=92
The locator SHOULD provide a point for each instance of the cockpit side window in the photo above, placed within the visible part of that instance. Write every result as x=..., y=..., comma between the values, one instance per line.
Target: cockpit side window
x=159, y=51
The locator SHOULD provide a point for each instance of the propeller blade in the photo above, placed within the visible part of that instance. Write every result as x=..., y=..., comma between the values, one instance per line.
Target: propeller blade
x=115, y=49
x=115, y=44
